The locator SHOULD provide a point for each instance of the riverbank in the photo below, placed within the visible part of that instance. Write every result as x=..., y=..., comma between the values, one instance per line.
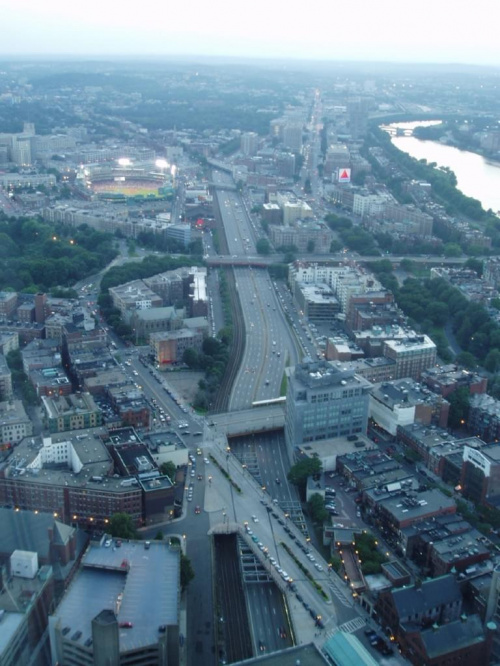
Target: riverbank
x=477, y=177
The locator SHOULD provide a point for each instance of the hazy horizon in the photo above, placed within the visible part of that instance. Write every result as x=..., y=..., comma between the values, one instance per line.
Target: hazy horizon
x=357, y=31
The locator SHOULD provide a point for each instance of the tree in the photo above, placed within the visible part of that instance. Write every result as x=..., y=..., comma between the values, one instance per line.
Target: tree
x=407, y=265
x=262, y=246
x=317, y=509
x=438, y=312
x=302, y=469
x=452, y=250
x=336, y=562
x=169, y=469
x=459, y=407
x=492, y=361
x=190, y=357
x=475, y=265
x=466, y=359
x=187, y=571
x=121, y=525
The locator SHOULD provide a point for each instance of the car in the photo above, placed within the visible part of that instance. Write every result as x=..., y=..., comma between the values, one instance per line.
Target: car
x=192, y=472
x=107, y=543
x=255, y=519
x=262, y=646
x=206, y=461
x=282, y=632
x=190, y=498
x=197, y=509
x=125, y=625
x=278, y=481
x=200, y=477
x=118, y=543
x=318, y=566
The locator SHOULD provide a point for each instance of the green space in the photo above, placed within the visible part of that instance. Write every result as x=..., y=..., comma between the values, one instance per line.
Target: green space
x=366, y=548
x=38, y=256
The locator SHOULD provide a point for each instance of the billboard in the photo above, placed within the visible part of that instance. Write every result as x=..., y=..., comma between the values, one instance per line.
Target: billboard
x=344, y=176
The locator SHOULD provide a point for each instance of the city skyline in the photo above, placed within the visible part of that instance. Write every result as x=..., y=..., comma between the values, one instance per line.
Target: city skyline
x=355, y=31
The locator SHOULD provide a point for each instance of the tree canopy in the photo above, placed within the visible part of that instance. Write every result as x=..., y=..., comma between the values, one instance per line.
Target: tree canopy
x=121, y=525
x=302, y=469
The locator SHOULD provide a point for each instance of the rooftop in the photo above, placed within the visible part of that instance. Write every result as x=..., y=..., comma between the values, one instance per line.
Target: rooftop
x=22, y=592
x=453, y=636
x=125, y=580
x=403, y=393
x=410, y=343
x=322, y=374
x=417, y=506
x=430, y=594
x=12, y=411
x=67, y=459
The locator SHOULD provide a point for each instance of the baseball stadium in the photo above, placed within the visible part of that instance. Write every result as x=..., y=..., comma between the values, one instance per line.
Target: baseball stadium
x=126, y=184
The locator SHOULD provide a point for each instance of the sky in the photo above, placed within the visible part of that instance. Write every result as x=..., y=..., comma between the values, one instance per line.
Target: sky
x=441, y=31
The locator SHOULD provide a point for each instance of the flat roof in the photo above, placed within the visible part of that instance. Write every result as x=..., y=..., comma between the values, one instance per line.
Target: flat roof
x=338, y=446
x=402, y=507
x=10, y=625
x=148, y=601
x=90, y=450
x=17, y=602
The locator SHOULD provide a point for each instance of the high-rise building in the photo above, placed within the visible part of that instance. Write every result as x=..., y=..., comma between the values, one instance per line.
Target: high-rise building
x=357, y=110
x=323, y=402
x=249, y=143
x=292, y=137
x=21, y=150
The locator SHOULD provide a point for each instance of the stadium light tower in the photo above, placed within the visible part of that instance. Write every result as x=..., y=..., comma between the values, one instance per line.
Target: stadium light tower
x=162, y=164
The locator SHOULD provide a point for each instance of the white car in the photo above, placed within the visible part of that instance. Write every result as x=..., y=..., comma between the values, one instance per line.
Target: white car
x=255, y=519
x=206, y=461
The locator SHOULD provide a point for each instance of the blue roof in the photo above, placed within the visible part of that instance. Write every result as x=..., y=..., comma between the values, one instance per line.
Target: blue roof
x=347, y=650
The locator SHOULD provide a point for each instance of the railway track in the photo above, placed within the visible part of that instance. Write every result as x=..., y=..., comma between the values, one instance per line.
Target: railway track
x=233, y=623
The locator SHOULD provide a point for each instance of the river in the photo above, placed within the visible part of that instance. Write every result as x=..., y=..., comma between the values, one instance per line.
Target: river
x=476, y=176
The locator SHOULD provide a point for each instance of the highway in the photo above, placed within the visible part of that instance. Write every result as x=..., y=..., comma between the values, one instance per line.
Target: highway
x=270, y=525
x=269, y=344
